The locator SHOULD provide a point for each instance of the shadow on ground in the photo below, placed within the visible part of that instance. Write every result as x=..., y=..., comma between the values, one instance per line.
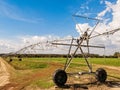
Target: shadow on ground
x=86, y=86
x=109, y=84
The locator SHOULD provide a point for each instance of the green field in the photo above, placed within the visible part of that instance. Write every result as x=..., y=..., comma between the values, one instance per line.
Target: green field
x=34, y=63
x=43, y=68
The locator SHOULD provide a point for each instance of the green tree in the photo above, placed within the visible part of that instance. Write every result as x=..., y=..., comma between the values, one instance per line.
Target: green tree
x=116, y=54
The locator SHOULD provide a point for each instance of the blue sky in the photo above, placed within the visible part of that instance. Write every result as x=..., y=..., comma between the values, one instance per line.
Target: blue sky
x=43, y=17
x=31, y=20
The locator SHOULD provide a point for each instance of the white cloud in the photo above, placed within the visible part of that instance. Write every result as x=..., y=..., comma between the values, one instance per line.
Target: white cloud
x=108, y=9
x=7, y=46
x=45, y=45
x=82, y=27
x=36, y=39
x=116, y=15
x=111, y=42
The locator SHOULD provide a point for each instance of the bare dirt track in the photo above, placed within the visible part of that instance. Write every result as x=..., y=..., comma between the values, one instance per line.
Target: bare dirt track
x=24, y=82
x=4, y=74
x=82, y=83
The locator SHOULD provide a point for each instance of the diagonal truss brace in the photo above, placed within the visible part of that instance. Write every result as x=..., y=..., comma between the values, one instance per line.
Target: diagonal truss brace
x=69, y=59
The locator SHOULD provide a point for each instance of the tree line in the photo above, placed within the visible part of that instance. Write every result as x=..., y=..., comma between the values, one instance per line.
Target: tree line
x=115, y=55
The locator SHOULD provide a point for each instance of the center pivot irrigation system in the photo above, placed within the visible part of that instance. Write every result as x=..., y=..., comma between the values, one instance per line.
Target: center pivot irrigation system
x=60, y=76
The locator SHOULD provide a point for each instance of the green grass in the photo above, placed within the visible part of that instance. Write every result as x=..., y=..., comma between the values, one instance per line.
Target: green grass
x=100, y=61
x=43, y=83
x=106, y=61
x=28, y=64
x=73, y=64
x=36, y=63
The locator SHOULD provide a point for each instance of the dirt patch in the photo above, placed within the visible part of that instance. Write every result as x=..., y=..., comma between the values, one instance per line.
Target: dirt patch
x=109, y=67
x=24, y=82
x=5, y=71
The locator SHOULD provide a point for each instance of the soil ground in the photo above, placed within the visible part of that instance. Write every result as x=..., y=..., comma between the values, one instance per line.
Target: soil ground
x=85, y=82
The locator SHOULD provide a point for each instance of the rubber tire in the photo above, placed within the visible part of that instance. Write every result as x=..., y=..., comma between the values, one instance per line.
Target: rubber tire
x=20, y=59
x=101, y=75
x=60, y=78
x=10, y=60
